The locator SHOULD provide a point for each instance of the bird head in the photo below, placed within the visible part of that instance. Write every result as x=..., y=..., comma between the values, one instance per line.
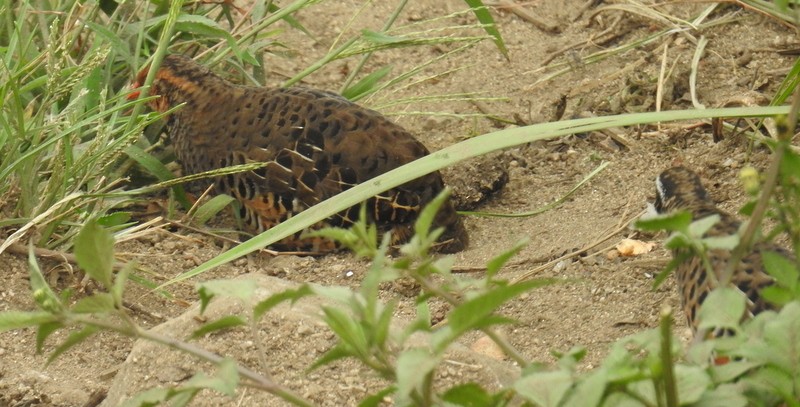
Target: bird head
x=679, y=188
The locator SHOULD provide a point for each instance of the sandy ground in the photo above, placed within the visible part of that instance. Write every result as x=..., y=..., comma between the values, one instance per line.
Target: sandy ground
x=604, y=298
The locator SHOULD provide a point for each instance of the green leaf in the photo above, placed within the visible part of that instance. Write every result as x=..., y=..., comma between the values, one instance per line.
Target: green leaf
x=348, y=331
x=721, y=242
x=675, y=221
x=366, y=85
x=589, y=392
x=272, y=301
x=148, y=398
x=10, y=320
x=422, y=227
x=494, y=265
x=469, y=395
x=471, y=313
x=692, y=382
x=413, y=368
x=72, y=340
x=723, y=308
x=94, y=249
x=114, y=219
x=241, y=289
x=118, y=289
x=339, y=351
x=699, y=227
x=485, y=18
x=726, y=395
x=96, y=303
x=44, y=331
x=158, y=170
x=211, y=208
x=380, y=38
x=545, y=389
x=44, y=296
x=224, y=381
x=228, y=322
x=782, y=270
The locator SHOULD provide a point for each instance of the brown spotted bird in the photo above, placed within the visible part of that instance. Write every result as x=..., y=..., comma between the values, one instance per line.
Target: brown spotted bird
x=315, y=144
x=679, y=188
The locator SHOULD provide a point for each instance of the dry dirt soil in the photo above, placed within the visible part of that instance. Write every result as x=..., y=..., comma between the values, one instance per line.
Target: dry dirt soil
x=605, y=297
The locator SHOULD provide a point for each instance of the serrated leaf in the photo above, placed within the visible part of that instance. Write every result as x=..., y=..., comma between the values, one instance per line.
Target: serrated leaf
x=72, y=340
x=94, y=250
x=211, y=208
x=545, y=389
x=10, y=320
x=270, y=302
x=228, y=322
x=675, y=221
x=96, y=303
x=723, y=308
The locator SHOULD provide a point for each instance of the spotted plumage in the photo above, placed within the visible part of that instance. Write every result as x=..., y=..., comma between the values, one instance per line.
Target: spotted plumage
x=315, y=144
x=679, y=188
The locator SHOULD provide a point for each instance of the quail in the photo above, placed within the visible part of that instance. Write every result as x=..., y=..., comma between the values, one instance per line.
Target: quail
x=679, y=188
x=315, y=144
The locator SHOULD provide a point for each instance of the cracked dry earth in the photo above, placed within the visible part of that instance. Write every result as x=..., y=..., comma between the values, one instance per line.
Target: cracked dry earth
x=603, y=299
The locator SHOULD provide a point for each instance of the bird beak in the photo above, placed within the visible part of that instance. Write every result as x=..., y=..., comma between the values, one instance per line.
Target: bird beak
x=135, y=92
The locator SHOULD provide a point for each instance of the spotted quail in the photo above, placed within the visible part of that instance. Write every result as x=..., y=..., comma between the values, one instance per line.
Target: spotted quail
x=316, y=144
x=679, y=188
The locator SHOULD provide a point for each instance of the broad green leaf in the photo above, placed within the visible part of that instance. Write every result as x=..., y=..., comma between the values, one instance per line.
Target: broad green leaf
x=676, y=221
x=211, y=208
x=413, y=369
x=469, y=395
x=699, y=227
x=10, y=320
x=94, y=249
x=589, y=392
x=114, y=219
x=692, y=382
x=723, y=308
x=348, y=330
x=96, y=303
x=239, y=289
x=228, y=322
x=721, y=242
x=782, y=270
x=546, y=389
x=726, y=395
x=148, y=398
